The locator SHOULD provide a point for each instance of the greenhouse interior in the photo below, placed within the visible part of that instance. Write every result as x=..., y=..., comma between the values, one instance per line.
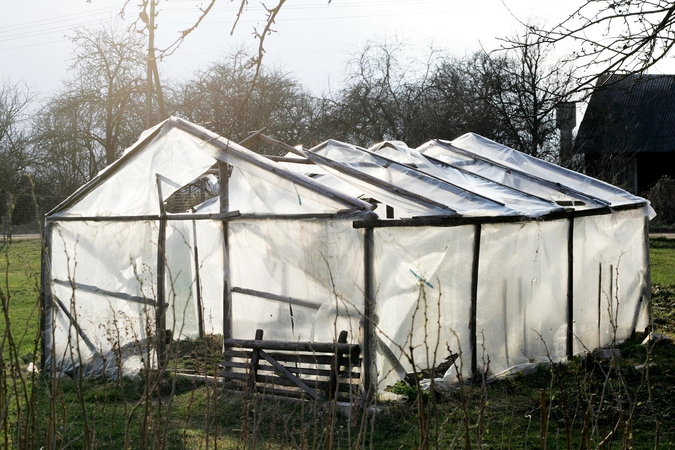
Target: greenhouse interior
x=461, y=251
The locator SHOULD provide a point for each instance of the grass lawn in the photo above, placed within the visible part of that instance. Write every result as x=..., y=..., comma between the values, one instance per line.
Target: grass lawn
x=622, y=400
x=19, y=290
x=662, y=253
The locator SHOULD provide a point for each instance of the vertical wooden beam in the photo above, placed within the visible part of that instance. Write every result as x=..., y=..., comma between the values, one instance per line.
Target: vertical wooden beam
x=334, y=383
x=369, y=381
x=647, y=288
x=198, y=281
x=45, y=289
x=570, y=288
x=160, y=311
x=255, y=357
x=474, y=299
x=599, y=304
x=224, y=177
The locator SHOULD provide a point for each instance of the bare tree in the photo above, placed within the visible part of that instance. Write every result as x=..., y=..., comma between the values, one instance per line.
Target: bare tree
x=529, y=85
x=145, y=23
x=614, y=35
x=386, y=96
x=220, y=97
x=507, y=96
x=16, y=156
x=98, y=112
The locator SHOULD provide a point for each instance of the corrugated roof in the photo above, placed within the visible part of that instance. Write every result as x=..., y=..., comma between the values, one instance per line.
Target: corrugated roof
x=630, y=114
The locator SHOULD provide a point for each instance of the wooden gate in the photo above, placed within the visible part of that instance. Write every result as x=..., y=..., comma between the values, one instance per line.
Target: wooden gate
x=318, y=370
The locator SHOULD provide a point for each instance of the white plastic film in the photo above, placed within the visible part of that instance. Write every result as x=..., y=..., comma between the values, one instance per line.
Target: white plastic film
x=423, y=299
x=545, y=170
x=103, y=293
x=394, y=176
x=525, y=204
x=522, y=293
x=303, y=279
x=131, y=189
x=610, y=273
x=443, y=151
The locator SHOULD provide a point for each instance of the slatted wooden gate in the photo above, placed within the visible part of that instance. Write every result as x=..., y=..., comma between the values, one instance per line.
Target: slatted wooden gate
x=320, y=371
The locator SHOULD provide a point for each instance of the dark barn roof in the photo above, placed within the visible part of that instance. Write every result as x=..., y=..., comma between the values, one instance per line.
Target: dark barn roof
x=629, y=114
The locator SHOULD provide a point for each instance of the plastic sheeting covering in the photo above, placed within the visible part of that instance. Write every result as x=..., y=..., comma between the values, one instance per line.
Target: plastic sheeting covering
x=132, y=189
x=522, y=293
x=524, y=203
x=611, y=291
x=423, y=293
x=104, y=290
x=103, y=277
x=394, y=176
x=303, y=279
x=544, y=170
x=311, y=272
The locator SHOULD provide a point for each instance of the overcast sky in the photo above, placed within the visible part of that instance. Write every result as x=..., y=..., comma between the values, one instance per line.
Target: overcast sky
x=313, y=40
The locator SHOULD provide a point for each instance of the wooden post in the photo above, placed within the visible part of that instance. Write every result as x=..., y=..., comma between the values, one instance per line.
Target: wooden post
x=255, y=357
x=334, y=383
x=570, y=288
x=198, y=281
x=160, y=311
x=224, y=175
x=46, y=291
x=647, y=288
x=369, y=369
x=474, y=299
x=599, y=304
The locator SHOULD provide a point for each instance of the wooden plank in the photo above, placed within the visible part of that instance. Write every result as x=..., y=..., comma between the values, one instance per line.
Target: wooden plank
x=281, y=145
x=235, y=364
x=318, y=347
x=310, y=371
x=224, y=199
x=146, y=217
x=234, y=375
x=237, y=354
x=281, y=392
x=289, y=159
x=345, y=214
x=315, y=385
x=277, y=298
x=316, y=359
x=73, y=322
x=290, y=376
x=252, y=138
x=103, y=292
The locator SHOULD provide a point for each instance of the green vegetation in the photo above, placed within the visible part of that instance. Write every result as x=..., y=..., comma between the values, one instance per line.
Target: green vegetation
x=662, y=253
x=20, y=269
x=624, y=401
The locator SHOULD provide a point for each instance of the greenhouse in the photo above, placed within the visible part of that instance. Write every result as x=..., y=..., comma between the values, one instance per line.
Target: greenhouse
x=461, y=252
